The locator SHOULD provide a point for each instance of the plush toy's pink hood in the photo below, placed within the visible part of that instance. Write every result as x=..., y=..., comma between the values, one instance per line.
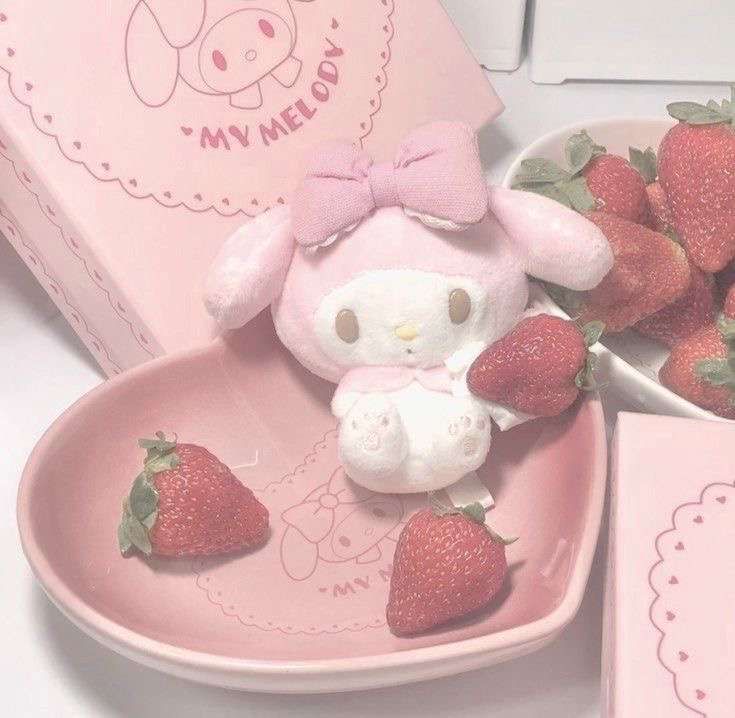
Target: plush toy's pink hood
x=388, y=239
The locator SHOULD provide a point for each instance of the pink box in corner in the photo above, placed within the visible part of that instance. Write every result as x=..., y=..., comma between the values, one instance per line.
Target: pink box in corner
x=136, y=135
x=669, y=639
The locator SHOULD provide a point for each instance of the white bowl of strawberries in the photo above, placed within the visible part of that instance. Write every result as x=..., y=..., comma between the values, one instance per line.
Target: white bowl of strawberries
x=669, y=301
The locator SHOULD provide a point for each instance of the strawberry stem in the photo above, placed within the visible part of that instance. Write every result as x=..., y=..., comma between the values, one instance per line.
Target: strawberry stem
x=474, y=512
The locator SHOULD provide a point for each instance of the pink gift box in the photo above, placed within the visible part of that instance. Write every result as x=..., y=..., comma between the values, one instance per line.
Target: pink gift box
x=137, y=135
x=669, y=643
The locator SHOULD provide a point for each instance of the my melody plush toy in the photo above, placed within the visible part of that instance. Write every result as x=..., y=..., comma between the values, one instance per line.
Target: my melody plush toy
x=389, y=279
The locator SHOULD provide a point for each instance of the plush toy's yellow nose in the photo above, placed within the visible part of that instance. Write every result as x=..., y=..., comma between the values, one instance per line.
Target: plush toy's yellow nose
x=407, y=332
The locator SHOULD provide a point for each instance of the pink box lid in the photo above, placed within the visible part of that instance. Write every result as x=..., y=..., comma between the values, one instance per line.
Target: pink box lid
x=669, y=644
x=145, y=132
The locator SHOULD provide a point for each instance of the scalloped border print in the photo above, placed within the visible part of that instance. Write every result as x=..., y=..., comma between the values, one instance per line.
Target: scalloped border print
x=26, y=181
x=165, y=199
x=700, y=696
x=38, y=266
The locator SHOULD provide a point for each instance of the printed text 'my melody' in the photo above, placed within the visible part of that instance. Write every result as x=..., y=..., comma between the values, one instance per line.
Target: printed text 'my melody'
x=288, y=120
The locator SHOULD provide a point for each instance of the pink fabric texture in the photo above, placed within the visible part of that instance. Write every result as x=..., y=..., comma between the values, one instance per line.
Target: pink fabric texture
x=436, y=173
x=392, y=378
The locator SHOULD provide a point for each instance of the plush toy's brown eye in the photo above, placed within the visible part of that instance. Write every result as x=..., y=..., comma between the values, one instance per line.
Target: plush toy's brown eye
x=346, y=326
x=459, y=306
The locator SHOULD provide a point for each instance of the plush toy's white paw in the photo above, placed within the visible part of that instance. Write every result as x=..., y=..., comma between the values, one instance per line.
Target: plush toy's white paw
x=372, y=440
x=462, y=441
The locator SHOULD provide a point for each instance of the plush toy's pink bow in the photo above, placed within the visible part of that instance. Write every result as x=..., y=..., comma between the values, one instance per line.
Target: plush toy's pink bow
x=314, y=517
x=436, y=174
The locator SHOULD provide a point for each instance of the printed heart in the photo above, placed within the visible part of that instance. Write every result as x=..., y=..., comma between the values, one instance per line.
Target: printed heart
x=670, y=616
x=225, y=201
x=722, y=499
x=683, y=656
x=106, y=166
x=363, y=125
x=679, y=546
x=254, y=202
x=701, y=695
x=167, y=194
x=11, y=52
x=335, y=24
x=673, y=580
x=198, y=197
x=29, y=86
x=133, y=182
x=187, y=130
x=78, y=144
x=3, y=17
x=48, y=118
x=698, y=520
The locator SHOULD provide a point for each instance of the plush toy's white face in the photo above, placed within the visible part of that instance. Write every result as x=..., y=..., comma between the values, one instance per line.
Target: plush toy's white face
x=400, y=317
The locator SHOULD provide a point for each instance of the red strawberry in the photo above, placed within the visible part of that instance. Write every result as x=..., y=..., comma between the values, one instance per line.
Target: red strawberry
x=649, y=273
x=594, y=180
x=702, y=368
x=662, y=219
x=447, y=564
x=659, y=217
x=685, y=316
x=618, y=188
x=539, y=367
x=697, y=172
x=186, y=502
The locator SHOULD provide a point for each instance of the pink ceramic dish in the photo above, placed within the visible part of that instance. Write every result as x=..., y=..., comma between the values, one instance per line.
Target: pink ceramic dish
x=306, y=612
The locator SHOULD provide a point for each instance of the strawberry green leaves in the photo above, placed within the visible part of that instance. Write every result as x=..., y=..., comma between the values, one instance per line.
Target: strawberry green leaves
x=693, y=113
x=475, y=512
x=585, y=378
x=721, y=371
x=140, y=508
x=645, y=162
x=568, y=187
x=580, y=149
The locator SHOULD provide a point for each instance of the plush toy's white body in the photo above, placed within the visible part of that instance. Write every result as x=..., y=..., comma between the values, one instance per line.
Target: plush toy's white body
x=414, y=437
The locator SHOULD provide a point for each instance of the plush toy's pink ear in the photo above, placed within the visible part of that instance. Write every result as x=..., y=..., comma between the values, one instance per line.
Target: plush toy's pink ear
x=156, y=30
x=248, y=273
x=555, y=243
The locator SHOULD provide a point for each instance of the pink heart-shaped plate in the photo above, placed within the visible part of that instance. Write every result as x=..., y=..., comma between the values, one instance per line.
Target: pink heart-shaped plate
x=306, y=613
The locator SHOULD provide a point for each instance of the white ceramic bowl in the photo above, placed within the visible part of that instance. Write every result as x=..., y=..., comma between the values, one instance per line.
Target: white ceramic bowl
x=628, y=361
